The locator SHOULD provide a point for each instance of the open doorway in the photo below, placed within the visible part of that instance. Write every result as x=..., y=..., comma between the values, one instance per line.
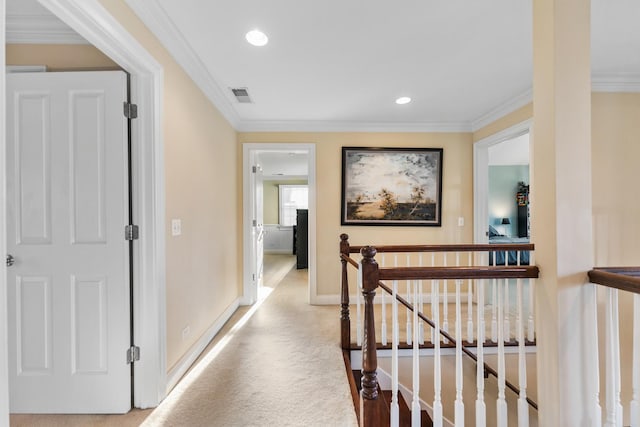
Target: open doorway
x=501, y=185
x=279, y=214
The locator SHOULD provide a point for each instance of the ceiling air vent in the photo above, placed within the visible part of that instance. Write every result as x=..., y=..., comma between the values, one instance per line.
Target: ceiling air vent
x=242, y=95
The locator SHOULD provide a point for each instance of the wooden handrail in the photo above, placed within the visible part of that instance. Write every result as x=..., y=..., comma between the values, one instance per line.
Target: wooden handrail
x=624, y=278
x=462, y=247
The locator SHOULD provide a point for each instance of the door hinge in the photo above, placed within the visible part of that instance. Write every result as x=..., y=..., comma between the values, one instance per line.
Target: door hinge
x=131, y=232
x=130, y=110
x=254, y=169
x=133, y=354
x=255, y=223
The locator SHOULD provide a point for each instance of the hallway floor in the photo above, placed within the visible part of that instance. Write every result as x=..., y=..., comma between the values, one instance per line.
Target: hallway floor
x=276, y=363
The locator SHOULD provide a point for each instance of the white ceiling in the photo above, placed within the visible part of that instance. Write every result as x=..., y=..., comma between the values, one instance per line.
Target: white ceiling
x=339, y=65
x=284, y=164
x=510, y=152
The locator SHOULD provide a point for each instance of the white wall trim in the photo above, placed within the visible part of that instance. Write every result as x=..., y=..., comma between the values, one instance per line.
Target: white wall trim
x=248, y=150
x=503, y=109
x=40, y=29
x=4, y=341
x=182, y=366
x=618, y=82
x=93, y=22
x=481, y=175
x=157, y=20
x=346, y=126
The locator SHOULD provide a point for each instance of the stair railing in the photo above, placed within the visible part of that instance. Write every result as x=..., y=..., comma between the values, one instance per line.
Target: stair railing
x=370, y=277
x=610, y=281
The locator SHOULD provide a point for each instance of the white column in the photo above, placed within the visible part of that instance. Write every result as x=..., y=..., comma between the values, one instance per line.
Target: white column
x=561, y=208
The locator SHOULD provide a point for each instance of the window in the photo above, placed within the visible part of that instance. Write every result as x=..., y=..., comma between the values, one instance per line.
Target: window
x=292, y=197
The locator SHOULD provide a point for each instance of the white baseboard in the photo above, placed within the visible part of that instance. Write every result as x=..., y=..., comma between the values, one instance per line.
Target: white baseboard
x=426, y=298
x=185, y=362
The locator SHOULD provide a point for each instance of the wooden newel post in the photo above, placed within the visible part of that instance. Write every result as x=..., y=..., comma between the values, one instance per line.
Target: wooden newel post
x=345, y=322
x=370, y=278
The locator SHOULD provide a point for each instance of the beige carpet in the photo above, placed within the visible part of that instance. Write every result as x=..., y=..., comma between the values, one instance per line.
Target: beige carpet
x=280, y=365
x=282, y=368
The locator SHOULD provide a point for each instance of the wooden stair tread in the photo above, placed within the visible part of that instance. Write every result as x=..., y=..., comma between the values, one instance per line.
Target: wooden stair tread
x=405, y=412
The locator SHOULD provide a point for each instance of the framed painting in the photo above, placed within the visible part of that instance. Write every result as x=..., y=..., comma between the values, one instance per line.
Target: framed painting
x=391, y=186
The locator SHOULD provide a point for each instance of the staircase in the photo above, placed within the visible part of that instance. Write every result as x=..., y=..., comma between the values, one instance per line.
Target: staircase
x=384, y=402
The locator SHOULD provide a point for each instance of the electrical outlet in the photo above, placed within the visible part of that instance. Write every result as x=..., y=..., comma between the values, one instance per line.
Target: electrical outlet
x=176, y=227
x=186, y=332
x=461, y=221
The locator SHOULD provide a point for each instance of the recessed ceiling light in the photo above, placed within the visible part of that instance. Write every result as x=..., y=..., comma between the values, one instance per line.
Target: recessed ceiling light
x=257, y=38
x=403, y=100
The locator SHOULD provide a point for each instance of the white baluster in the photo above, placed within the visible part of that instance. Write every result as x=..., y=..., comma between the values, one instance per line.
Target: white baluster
x=635, y=399
x=507, y=323
x=437, y=379
x=470, y=305
x=481, y=408
x=409, y=333
x=358, y=309
x=383, y=327
x=415, y=403
x=445, y=304
x=433, y=298
x=421, y=305
x=459, y=404
x=494, y=311
x=395, y=409
x=501, y=403
x=531, y=327
x=523, y=407
x=597, y=414
x=612, y=369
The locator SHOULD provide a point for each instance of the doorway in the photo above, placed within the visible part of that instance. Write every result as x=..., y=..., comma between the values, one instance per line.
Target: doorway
x=266, y=166
x=92, y=21
x=485, y=215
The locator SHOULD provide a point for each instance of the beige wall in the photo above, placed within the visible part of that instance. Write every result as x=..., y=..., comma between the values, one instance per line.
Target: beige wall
x=511, y=119
x=457, y=193
x=203, y=264
x=59, y=57
x=271, y=197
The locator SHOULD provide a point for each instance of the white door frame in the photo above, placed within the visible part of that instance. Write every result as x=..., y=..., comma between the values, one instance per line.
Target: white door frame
x=4, y=342
x=92, y=21
x=481, y=175
x=249, y=149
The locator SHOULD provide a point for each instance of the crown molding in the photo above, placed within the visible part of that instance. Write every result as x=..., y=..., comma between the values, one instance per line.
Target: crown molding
x=40, y=29
x=502, y=110
x=615, y=82
x=157, y=20
x=344, y=126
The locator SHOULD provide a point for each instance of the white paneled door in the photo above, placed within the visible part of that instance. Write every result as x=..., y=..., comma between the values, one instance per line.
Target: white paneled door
x=67, y=207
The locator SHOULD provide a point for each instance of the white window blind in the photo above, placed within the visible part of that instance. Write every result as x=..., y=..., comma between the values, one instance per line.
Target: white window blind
x=292, y=197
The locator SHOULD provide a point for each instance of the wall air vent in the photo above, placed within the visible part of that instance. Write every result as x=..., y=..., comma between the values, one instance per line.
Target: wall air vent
x=242, y=95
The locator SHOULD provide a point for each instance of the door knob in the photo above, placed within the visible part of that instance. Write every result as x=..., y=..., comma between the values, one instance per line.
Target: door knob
x=10, y=260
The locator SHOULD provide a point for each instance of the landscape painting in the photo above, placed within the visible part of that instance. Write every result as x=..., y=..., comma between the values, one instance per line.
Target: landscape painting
x=391, y=186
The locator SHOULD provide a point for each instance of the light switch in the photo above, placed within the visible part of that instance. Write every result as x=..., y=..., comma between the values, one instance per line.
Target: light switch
x=176, y=227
